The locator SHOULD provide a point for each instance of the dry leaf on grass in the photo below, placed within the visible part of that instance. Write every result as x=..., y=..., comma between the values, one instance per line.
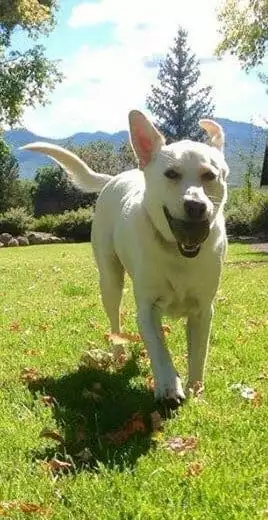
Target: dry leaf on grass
x=15, y=326
x=24, y=507
x=56, y=465
x=166, y=329
x=48, y=400
x=52, y=434
x=194, y=469
x=29, y=375
x=122, y=339
x=131, y=426
x=196, y=390
x=248, y=393
x=43, y=326
x=263, y=376
x=150, y=383
x=96, y=359
x=182, y=445
x=265, y=513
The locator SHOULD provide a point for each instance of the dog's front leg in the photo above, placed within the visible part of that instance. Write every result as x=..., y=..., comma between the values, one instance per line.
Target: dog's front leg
x=198, y=333
x=168, y=384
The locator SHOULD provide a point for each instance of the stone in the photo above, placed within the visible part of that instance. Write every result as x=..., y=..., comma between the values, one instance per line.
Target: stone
x=23, y=241
x=5, y=238
x=13, y=242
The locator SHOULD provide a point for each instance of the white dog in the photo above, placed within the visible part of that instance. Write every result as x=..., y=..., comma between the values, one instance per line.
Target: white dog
x=162, y=223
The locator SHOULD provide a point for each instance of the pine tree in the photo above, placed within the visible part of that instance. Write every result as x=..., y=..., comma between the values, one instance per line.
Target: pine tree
x=177, y=100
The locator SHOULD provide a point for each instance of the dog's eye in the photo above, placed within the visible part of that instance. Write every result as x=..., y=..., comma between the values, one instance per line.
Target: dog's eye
x=172, y=174
x=208, y=176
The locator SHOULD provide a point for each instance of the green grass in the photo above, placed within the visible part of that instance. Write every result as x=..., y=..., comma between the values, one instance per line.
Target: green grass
x=51, y=310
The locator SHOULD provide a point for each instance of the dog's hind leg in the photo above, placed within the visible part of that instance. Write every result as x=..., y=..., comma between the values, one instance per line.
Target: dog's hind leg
x=111, y=285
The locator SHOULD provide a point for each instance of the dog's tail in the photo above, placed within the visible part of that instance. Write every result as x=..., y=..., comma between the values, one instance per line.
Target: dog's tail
x=80, y=174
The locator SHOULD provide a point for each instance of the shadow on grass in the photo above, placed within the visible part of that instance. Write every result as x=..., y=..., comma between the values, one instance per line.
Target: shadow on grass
x=85, y=422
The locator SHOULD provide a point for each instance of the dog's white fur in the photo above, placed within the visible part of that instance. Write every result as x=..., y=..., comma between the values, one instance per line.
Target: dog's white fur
x=131, y=233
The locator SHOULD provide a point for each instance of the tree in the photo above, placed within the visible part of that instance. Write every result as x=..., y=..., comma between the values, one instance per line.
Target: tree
x=27, y=77
x=9, y=173
x=178, y=101
x=244, y=30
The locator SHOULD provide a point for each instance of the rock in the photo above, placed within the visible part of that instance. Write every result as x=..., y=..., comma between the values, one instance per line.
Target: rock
x=23, y=241
x=1, y=244
x=5, y=238
x=35, y=238
x=13, y=242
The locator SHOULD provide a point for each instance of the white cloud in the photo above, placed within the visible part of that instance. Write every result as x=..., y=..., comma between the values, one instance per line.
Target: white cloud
x=103, y=84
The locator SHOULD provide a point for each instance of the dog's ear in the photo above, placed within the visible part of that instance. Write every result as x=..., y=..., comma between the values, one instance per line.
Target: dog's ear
x=145, y=138
x=215, y=132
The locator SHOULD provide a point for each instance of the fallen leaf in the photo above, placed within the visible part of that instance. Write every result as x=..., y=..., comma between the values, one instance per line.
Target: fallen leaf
x=15, y=326
x=122, y=339
x=166, y=329
x=30, y=352
x=96, y=359
x=29, y=375
x=85, y=455
x=194, y=469
x=57, y=465
x=257, y=401
x=51, y=434
x=131, y=426
x=182, y=445
x=48, y=400
x=265, y=513
x=24, y=507
x=42, y=326
x=156, y=421
x=197, y=389
x=150, y=383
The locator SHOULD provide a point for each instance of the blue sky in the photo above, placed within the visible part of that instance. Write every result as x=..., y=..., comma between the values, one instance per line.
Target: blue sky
x=109, y=51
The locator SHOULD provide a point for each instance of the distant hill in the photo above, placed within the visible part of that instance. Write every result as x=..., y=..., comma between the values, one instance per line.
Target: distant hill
x=239, y=138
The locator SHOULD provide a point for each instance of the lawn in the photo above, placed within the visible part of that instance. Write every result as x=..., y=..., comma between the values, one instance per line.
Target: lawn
x=51, y=315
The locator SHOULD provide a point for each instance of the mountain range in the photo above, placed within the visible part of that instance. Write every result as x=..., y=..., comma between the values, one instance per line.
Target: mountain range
x=242, y=141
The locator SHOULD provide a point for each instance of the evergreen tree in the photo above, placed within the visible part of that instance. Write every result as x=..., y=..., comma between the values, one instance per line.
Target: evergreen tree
x=177, y=100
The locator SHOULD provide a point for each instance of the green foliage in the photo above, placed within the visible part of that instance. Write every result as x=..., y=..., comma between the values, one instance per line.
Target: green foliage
x=15, y=221
x=178, y=101
x=75, y=225
x=9, y=172
x=244, y=216
x=22, y=194
x=26, y=77
x=244, y=30
x=45, y=223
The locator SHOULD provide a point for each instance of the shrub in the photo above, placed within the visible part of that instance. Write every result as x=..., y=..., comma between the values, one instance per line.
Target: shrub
x=46, y=223
x=15, y=221
x=74, y=224
x=245, y=217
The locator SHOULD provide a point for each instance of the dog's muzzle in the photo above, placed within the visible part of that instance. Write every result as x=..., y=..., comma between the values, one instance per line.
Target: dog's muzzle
x=189, y=234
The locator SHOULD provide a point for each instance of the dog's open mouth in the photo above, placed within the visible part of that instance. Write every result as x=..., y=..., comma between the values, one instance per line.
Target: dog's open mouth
x=189, y=234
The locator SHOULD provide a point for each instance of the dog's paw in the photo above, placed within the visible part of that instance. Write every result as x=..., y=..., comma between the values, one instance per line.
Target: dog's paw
x=169, y=391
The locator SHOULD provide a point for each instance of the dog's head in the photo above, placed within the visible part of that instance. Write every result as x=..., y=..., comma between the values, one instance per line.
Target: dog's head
x=185, y=181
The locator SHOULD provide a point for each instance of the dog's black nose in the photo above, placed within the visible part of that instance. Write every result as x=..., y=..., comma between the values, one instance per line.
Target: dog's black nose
x=194, y=209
